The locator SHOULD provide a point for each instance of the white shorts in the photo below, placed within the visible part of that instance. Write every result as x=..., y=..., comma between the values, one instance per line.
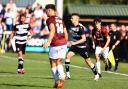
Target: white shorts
x=103, y=53
x=57, y=52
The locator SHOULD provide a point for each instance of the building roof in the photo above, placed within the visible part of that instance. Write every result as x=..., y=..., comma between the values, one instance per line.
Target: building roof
x=99, y=10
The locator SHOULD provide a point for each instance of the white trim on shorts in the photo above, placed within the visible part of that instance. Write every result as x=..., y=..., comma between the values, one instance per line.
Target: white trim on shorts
x=57, y=52
x=100, y=52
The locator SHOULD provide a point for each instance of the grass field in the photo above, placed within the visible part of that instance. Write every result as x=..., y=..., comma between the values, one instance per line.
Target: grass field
x=38, y=75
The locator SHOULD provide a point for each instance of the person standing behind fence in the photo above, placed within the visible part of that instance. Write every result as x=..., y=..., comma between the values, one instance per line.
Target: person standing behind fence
x=20, y=31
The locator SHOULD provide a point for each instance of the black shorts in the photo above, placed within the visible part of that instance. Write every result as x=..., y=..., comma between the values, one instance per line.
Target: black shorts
x=20, y=47
x=81, y=51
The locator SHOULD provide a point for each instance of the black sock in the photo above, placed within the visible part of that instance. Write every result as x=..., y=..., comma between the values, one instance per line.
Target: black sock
x=117, y=63
x=67, y=65
x=20, y=63
x=94, y=70
x=110, y=65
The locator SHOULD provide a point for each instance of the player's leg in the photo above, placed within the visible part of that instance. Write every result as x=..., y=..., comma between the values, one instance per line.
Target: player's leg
x=20, y=69
x=61, y=73
x=61, y=55
x=57, y=69
x=19, y=50
x=116, y=55
x=106, y=61
x=97, y=54
x=85, y=54
x=54, y=72
x=93, y=68
x=67, y=63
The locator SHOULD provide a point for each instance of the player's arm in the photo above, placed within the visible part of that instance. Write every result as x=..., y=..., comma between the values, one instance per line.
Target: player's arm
x=29, y=33
x=107, y=43
x=118, y=41
x=93, y=39
x=83, y=39
x=51, y=35
x=11, y=37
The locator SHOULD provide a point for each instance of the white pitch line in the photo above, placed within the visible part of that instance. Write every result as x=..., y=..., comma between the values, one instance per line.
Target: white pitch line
x=110, y=72
x=70, y=65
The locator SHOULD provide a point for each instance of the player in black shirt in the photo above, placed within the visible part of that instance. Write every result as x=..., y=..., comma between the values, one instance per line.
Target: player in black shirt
x=78, y=43
x=115, y=38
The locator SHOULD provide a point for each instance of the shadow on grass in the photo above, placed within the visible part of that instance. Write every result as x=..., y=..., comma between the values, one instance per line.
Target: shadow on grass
x=24, y=85
x=42, y=77
x=5, y=72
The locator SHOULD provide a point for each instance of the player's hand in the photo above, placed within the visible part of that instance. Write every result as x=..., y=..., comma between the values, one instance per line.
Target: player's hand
x=69, y=43
x=28, y=38
x=72, y=43
x=113, y=47
x=9, y=44
x=103, y=49
x=46, y=45
x=93, y=46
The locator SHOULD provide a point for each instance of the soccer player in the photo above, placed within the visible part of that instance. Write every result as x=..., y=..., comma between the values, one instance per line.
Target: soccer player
x=20, y=32
x=101, y=41
x=115, y=38
x=57, y=41
x=78, y=45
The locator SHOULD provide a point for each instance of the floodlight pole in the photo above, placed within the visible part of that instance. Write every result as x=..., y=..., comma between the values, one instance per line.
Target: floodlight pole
x=59, y=6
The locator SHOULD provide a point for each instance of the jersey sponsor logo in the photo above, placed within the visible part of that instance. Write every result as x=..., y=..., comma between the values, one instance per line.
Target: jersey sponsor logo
x=76, y=29
x=22, y=26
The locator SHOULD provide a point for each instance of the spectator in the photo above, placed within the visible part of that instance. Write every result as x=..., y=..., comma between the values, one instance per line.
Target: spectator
x=28, y=15
x=38, y=11
x=123, y=47
x=1, y=7
x=13, y=8
x=29, y=7
x=9, y=19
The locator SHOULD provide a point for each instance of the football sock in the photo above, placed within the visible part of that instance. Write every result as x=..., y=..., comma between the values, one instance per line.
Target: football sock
x=98, y=67
x=67, y=65
x=61, y=70
x=20, y=63
x=117, y=63
x=55, y=73
x=93, y=68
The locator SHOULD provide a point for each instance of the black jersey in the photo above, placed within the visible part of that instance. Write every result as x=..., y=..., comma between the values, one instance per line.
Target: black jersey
x=21, y=32
x=114, y=37
x=75, y=33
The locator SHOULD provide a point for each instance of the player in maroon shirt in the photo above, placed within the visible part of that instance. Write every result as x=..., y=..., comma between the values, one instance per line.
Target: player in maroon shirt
x=101, y=43
x=57, y=41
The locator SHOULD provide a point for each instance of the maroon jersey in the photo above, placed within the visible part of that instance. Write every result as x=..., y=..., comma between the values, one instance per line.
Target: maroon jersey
x=59, y=37
x=100, y=36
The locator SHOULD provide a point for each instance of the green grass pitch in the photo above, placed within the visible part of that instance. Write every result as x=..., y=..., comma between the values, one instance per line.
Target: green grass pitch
x=38, y=74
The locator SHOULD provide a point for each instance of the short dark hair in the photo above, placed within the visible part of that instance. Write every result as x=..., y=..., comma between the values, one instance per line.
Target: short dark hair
x=22, y=15
x=50, y=6
x=97, y=19
x=77, y=14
